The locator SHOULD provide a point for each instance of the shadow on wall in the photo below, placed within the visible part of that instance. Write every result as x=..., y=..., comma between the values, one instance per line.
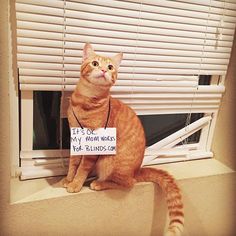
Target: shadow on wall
x=224, y=137
x=14, y=45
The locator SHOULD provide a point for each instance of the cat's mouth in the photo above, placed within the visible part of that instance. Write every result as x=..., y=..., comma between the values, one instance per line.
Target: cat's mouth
x=100, y=79
x=102, y=76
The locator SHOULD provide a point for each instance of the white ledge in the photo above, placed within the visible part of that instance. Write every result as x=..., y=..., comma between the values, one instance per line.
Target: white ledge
x=42, y=189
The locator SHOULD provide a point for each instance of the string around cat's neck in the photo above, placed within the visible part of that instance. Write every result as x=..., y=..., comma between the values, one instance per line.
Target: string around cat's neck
x=107, y=120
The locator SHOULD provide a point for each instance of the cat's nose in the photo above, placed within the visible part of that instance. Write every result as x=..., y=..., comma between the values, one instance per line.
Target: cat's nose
x=103, y=71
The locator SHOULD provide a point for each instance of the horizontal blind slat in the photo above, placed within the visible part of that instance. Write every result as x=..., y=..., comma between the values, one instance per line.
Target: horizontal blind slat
x=37, y=72
x=175, y=110
x=158, y=71
x=124, y=90
x=29, y=75
x=167, y=95
x=26, y=79
x=145, y=83
x=144, y=66
x=42, y=66
x=171, y=101
x=39, y=58
x=127, y=49
x=219, y=4
x=48, y=3
x=89, y=31
x=127, y=57
x=132, y=58
x=39, y=34
x=44, y=10
x=203, y=89
x=37, y=42
x=151, y=71
x=172, y=107
x=147, y=44
x=72, y=38
x=31, y=17
x=40, y=50
x=128, y=66
x=123, y=78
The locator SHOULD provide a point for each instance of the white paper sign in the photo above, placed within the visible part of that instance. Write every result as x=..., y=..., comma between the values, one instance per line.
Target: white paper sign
x=92, y=142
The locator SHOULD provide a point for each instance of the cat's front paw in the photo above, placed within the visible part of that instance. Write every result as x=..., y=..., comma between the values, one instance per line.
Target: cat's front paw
x=74, y=187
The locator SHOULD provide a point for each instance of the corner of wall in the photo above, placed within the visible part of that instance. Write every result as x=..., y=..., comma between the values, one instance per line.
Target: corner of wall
x=4, y=102
x=224, y=137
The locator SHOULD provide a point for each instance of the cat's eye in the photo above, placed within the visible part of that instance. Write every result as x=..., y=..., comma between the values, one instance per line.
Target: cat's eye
x=95, y=63
x=110, y=67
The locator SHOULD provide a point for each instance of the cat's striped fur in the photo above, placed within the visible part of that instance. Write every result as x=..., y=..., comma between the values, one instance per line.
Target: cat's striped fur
x=90, y=103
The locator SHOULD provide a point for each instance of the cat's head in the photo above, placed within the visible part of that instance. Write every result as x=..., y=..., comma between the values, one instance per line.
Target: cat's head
x=99, y=70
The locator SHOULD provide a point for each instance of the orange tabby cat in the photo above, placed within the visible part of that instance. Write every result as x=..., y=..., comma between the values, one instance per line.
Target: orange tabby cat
x=89, y=105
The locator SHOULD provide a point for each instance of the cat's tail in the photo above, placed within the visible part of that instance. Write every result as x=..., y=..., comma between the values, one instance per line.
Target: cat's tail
x=173, y=197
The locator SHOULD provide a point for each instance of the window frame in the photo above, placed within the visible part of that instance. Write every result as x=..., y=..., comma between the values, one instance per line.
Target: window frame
x=26, y=109
x=26, y=119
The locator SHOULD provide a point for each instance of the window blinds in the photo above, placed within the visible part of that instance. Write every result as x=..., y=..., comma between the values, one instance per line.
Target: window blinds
x=160, y=40
x=167, y=45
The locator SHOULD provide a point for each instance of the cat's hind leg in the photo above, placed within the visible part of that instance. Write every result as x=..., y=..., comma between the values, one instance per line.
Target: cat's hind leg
x=99, y=185
x=123, y=182
x=113, y=173
x=103, y=184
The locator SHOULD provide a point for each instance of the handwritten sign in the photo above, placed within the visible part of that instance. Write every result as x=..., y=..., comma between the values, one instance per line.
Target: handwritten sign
x=93, y=142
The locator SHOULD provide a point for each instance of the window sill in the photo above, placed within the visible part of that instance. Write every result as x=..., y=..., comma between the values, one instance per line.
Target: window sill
x=42, y=189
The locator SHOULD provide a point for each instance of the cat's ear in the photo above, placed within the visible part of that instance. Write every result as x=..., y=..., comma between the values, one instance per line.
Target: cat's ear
x=88, y=51
x=117, y=59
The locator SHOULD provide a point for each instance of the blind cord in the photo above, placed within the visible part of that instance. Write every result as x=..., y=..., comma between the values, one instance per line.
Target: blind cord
x=189, y=116
x=135, y=50
x=63, y=85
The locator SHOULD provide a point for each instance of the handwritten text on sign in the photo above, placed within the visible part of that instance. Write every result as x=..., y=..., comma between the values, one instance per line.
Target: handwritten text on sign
x=93, y=142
